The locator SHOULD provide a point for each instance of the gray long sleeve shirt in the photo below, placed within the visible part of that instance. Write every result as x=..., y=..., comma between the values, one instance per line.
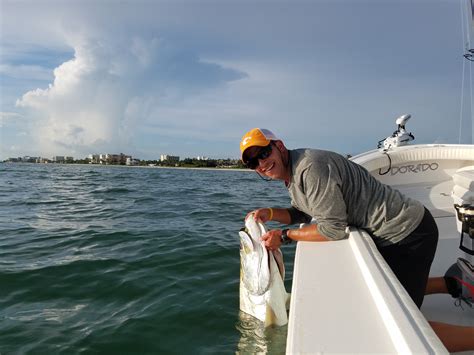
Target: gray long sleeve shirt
x=338, y=192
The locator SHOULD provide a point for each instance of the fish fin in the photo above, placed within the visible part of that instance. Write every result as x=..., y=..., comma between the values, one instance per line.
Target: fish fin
x=278, y=256
x=270, y=317
x=262, y=227
x=246, y=241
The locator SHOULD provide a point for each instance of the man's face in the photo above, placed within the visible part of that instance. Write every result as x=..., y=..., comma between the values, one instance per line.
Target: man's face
x=270, y=164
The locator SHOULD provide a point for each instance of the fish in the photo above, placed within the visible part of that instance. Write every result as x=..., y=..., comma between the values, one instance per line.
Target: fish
x=262, y=290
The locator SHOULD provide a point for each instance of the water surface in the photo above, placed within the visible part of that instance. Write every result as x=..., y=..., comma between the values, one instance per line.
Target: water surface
x=97, y=259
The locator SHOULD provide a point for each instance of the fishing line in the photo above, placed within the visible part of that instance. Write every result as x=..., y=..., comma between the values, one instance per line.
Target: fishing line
x=470, y=57
x=471, y=94
x=462, y=101
x=463, y=75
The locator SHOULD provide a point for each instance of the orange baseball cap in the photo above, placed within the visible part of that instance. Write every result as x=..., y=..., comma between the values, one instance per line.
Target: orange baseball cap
x=259, y=137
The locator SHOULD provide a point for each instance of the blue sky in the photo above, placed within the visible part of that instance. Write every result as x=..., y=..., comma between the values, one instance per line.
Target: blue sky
x=190, y=78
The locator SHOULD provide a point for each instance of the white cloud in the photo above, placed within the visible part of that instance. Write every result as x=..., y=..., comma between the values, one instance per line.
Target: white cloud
x=9, y=115
x=144, y=74
x=101, y=97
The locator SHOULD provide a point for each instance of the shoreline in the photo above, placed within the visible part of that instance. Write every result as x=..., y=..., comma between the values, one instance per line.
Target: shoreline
x=131, y=166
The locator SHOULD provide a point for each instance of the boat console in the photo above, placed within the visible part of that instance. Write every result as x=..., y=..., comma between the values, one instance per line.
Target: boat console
x=399, y=137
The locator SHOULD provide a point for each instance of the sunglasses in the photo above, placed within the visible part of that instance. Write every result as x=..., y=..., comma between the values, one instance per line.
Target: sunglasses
x=263, y=153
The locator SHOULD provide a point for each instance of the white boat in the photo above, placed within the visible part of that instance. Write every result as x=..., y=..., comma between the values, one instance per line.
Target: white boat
x=360, y=306
x=346, y=299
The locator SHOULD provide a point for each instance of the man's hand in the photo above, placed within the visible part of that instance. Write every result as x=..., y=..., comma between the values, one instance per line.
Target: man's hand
x=272, y=239
x=260, y=215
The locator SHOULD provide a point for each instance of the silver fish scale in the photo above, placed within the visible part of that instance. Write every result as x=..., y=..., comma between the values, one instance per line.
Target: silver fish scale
x=254, y=257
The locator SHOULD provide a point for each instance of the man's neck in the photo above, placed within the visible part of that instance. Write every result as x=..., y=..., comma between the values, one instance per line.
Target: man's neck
x=287, y=162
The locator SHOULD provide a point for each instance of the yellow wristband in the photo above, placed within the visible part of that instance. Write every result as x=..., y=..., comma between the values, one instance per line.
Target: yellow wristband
x=271, y=214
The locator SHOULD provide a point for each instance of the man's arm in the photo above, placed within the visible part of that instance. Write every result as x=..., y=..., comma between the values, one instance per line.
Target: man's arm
x=283, y=215
x=309, y=233
x=272, y=214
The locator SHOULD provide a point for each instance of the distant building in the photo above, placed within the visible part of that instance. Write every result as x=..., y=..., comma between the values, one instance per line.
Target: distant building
x=130, y=161
x=59, y=159
x=113, y=158
x=166, y=157
x=42, y=160
x=102, y=158
x=94, y=158
x=28, y=159
x=202, y=158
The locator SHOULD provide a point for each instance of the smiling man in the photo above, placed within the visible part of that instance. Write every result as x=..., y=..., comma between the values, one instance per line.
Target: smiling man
x=336, y=192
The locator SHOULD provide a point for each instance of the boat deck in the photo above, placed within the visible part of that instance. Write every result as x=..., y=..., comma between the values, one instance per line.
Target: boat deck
x=437, y=198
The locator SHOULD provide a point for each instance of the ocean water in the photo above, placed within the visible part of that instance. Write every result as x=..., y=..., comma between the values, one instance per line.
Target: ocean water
x=97, y=259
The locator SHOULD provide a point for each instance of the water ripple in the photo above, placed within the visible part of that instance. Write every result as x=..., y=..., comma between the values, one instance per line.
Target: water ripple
x=97, y=259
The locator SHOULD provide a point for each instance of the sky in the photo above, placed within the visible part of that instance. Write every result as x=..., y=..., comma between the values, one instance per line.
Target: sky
x=189, y=78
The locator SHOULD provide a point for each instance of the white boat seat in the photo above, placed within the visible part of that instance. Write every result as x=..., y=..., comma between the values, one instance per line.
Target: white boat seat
x=464, y=177
x=463, y=194
x=463, y=189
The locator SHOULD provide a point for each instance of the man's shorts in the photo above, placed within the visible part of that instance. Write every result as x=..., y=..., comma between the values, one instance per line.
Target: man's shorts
x=411, y=258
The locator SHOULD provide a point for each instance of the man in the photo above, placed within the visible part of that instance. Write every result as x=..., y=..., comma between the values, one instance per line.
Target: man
x=336, y=192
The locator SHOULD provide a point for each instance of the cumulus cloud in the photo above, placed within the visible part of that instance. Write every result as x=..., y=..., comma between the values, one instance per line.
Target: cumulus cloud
x=101, y=96
x=141, y=75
